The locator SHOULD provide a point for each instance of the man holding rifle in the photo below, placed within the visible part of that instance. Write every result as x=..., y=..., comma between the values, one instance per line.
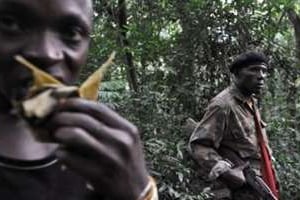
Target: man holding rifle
x=230, y=143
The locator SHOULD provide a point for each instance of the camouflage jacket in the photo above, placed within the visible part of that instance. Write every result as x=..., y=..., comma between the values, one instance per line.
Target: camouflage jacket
x=228, y=122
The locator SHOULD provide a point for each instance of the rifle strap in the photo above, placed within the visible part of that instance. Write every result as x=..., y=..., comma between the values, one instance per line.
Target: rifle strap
x=267, y=167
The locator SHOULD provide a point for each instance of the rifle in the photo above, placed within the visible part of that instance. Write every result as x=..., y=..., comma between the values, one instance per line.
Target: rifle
x=258, y=184
x=254, y=181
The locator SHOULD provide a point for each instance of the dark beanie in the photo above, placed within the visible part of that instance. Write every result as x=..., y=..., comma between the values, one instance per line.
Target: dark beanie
x=246, y=59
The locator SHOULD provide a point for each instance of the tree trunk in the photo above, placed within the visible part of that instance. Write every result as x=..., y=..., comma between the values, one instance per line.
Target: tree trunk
x=292, y=96
x=131, y=70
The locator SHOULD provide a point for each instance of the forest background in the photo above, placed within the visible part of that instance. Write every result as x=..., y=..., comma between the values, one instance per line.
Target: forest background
x=173, y=57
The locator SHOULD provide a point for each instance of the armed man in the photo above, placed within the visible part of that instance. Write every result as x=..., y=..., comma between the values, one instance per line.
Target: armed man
x=230, y=144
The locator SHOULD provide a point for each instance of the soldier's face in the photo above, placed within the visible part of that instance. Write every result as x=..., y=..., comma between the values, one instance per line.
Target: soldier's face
x=52, y=34
x=251, y=79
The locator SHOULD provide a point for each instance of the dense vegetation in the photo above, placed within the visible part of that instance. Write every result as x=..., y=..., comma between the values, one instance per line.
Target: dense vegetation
x=173, y=57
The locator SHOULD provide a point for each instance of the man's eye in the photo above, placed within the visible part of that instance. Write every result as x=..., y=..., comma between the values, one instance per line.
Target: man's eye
x=255, y=69
x=72, y=34
x=9, y=23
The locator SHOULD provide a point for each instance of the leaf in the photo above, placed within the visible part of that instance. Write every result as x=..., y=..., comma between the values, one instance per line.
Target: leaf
x=298, y=82
x=41, y=78
x=89, y=89
x=180, y=176
x=179, y=149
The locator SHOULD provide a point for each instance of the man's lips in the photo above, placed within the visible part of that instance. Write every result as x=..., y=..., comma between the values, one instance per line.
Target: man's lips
x=59, y=78
x=58, y=73
x=260, y=85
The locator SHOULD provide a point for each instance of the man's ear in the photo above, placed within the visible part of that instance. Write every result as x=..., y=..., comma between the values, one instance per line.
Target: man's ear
x=235, y=75
x=236, y=72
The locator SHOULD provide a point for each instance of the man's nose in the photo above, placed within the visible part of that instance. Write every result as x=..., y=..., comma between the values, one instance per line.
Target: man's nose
x=43, y=49
x=262, y=74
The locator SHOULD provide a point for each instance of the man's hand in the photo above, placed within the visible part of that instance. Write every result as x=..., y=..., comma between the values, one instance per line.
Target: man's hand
x=219, y=168
x=101, y=146
x=234, y=178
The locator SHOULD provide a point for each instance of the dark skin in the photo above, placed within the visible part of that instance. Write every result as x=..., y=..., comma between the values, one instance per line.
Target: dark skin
x=250, y=80
x=88, y=137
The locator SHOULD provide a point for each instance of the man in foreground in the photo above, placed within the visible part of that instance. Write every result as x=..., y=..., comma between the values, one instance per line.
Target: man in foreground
x=231, y=137
x=93, y=152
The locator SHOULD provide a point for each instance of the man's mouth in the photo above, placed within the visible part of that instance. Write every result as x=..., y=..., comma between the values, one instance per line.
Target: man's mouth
x=59, y=78
x=260, y=85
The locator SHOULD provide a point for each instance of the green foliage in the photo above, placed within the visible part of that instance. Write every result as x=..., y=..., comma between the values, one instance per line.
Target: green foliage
x=286, y=151
x=165, y=145
x=180, y=51
x=112, y=92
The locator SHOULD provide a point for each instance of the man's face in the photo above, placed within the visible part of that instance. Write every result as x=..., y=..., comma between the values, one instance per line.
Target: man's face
x=52, y=34
x=251, y=79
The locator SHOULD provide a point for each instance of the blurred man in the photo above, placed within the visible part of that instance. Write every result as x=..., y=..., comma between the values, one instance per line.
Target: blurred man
x=94, y=153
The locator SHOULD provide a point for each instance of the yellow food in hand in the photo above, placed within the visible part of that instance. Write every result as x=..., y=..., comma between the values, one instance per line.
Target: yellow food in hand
x=88, y=90
x=41, y=78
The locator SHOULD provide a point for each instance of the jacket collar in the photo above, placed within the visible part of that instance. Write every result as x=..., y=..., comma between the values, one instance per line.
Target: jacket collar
x=236, y=92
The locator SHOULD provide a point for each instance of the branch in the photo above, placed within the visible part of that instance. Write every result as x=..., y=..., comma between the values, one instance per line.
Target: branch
x=295, y=19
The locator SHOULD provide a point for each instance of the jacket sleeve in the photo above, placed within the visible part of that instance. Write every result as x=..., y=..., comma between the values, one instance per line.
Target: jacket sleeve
x=207, y=136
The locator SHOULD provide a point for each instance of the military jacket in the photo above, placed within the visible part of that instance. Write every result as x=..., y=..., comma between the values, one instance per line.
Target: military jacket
x=228, y=122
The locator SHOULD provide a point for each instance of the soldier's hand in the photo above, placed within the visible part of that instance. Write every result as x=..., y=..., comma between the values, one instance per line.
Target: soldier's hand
x=101, y=146
x=234, y=178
